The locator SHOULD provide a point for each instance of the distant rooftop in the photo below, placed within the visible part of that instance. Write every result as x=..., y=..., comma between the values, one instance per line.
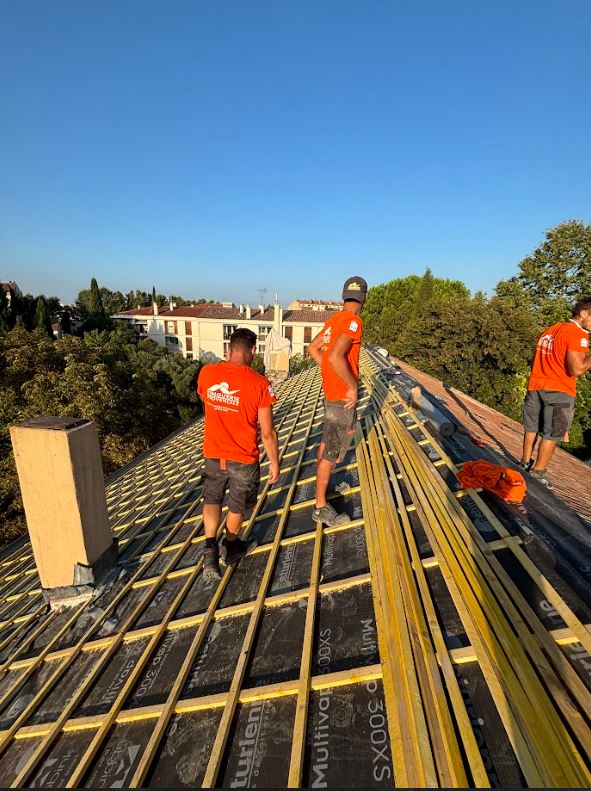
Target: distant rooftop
x=218, y=311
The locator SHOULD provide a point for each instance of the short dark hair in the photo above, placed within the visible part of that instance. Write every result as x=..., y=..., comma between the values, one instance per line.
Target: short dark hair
x=583, y=304
x=243, y=340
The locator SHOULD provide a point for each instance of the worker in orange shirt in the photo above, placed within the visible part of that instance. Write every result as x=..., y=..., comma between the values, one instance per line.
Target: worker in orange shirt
x=336, y=349
x=562, y=354
x=237, y=400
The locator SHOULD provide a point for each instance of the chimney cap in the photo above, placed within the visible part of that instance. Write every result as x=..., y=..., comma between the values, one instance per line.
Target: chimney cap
x=54, y=423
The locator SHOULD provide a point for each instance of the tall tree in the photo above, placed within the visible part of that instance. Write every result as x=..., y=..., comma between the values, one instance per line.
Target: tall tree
x=41, y=317
x=5, y=322
x=391, y=306
x=425, y=294
x=554, y=275
x=95, y=304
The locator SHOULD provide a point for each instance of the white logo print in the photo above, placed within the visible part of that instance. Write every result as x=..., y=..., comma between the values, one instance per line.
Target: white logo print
x=224, y=388
x=585, y=342
x=353, y=326
x=546, y=343
x=222, y=394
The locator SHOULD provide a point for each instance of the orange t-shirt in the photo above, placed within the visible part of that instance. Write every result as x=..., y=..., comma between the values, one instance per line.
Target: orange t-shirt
x=548, y=371
x=342, y=323
x=232, y=394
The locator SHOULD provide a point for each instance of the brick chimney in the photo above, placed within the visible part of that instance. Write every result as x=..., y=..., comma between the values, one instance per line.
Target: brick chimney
x=61, y=478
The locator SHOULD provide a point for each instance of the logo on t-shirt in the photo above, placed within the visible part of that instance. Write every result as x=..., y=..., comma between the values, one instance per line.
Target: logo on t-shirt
x=353, y=326
x=272, y=392
x=546, y=343
x=585, y=342
x=222, y=393
x=327, y=335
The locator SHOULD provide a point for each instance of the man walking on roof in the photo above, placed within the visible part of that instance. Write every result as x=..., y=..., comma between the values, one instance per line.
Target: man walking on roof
x=336, y=349
x=562, y=354
x=236, y=400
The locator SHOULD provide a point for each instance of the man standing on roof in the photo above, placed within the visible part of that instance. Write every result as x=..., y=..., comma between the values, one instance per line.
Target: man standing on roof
x=562, y=354
x=236, y=401
x=336, y=349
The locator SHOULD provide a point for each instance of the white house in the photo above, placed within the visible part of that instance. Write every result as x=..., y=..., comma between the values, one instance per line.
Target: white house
x=198, y=329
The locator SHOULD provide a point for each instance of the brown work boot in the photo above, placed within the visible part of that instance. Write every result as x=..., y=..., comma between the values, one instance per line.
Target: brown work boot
x=211, y=563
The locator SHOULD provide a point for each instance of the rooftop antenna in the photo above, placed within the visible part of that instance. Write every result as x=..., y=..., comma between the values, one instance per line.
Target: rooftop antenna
x=262, y=292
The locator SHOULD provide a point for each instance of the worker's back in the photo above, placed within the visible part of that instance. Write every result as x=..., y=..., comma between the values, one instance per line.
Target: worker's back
x=232, y=394
x=549, y=370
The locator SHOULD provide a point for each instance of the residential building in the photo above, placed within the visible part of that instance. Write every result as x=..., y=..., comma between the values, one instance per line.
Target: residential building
x=196, y=330
x=315, y=304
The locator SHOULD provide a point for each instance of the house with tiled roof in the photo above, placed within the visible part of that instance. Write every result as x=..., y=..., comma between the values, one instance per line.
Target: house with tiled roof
x=195, y=330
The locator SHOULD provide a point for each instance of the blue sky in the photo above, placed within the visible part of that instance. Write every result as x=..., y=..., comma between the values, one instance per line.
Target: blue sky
x=215, y=148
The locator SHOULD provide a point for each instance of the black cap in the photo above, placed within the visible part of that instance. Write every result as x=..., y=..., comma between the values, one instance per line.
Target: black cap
x=355, y=288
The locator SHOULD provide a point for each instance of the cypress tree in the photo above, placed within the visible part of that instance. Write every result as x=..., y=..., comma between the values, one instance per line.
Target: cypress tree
x=95, y=307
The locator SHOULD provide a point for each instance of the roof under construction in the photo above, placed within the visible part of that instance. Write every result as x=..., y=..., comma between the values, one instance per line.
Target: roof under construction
x=441, y=638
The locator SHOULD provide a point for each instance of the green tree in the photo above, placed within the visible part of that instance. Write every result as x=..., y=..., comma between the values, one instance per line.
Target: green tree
x=426, y=293
x=554, y=275
x=95, y=302
x=258, y=364
x=91, y=308
x=391, y=306
x=485, y=353
x=42, y=321
x=299, y=363
x=180, y=302
x=134, y=391
x=66, y=320
x=5, y=322
x=54, y=307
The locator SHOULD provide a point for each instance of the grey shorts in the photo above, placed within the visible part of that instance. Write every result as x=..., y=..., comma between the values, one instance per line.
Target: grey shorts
x=339, y=429
x=242, y=480
x=549, y=413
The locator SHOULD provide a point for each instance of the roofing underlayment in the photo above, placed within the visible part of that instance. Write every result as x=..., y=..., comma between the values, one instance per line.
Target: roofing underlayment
x=439, y=639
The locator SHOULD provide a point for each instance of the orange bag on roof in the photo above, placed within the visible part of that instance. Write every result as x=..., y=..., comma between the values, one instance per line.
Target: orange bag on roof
x=508, y=484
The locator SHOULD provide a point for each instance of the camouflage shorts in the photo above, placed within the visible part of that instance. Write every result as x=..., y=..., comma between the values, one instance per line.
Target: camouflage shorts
x=339, y=429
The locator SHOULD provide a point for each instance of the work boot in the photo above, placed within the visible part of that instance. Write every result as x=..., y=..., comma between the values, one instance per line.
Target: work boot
x=526, y=465
x=236, y=549
x=541, y=477
x=328, y=516
x=211, y=563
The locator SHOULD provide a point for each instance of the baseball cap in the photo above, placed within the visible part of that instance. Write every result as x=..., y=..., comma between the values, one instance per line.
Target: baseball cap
x=355, y=288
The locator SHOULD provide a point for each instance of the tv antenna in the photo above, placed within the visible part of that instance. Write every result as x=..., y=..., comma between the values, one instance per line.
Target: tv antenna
x=262, y=292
